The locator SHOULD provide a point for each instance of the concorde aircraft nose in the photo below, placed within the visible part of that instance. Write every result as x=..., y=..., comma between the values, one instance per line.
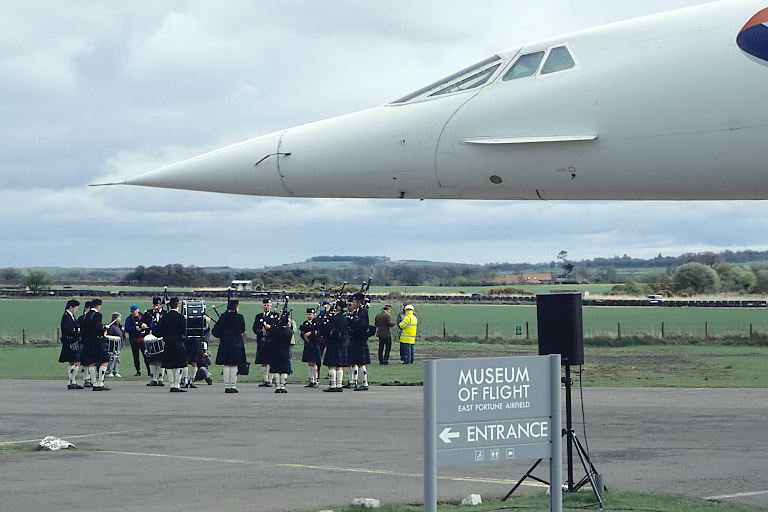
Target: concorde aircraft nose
x=249, y=167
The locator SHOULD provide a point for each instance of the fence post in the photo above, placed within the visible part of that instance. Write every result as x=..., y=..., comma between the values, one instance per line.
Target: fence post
x=662, y=330
x=706, y=330
x=486, y=332
x=527, y=332
x=751, y=333
x=443, y=330
x=58, y=335
x=618, y=329
x=23, y=336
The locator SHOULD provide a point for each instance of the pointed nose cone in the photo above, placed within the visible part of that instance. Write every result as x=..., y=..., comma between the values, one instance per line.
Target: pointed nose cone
x=250, y=167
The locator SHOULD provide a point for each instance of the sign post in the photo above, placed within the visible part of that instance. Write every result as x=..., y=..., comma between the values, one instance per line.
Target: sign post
x=487, y=410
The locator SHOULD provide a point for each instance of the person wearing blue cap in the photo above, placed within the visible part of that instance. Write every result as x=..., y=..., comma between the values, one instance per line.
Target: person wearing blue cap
x=136, y=337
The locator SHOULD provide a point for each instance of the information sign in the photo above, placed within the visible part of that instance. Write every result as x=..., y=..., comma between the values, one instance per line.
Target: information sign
x=501, y=409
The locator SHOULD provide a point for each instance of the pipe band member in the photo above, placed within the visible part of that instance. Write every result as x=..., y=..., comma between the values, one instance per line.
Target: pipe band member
x=70, y=343
x=230, y=329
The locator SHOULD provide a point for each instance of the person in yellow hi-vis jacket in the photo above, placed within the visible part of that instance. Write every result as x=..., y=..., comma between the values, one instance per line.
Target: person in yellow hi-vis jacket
x=408, y=336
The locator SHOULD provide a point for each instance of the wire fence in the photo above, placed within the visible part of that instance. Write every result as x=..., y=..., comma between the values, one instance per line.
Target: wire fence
x=512, y=331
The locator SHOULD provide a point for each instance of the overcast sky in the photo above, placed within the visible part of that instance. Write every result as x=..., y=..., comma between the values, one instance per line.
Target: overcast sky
x=94, y=91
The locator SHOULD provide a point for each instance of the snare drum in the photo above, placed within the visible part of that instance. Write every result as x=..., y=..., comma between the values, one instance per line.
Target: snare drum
x=113, y=344
x=153, y=346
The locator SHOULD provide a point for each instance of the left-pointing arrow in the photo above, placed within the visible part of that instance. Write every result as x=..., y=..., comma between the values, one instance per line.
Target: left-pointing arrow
x=446, y=435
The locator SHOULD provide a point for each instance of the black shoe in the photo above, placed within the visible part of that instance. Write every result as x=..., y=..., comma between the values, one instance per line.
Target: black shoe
x=178, y=390
x=190, y=385
x=265, y=384
x=384, y=362
x=152, y=383
x=87, y=384
x=228, y=390
x=101, y=388
x=160, y=383
x=74, y=386
x=348, y=386
x=331, y=390
x=137, y=374
x=310, y=385
x=209, y=380
x=233, y=390
x=315, y=385
x=361, y=388
x=278, y=390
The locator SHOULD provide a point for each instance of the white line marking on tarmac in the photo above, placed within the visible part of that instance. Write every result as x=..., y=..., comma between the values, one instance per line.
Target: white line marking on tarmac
x=327, y=468
x=737, y=495
x=75, y=436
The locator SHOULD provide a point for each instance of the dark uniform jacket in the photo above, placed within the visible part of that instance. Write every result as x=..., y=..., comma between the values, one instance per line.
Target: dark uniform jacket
x=70, y=352
x=173, y=327
x=230, y=329
x=336, y=336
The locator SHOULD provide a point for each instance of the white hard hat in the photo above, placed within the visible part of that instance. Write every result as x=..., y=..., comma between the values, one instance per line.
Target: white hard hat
x=408, y=307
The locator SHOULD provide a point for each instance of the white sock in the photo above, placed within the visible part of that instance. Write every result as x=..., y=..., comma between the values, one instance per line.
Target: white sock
x=349, y=374
x=355, y=370
x=72, y=370
x=179, y=372
x=92, y=374
x=283, y=380
x=102, y=374
x=365, y=375
x=339, y=378
x=313, y=374
x=185, y=374
x=225, y=376
x=160, y=372
x=233, y=377
x=265, y=373
x=332, y=374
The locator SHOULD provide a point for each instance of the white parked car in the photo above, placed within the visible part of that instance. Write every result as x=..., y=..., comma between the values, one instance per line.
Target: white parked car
x=655, y=299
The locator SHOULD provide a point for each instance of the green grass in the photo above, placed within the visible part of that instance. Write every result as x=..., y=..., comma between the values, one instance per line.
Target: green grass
x=651, y=366
x=40, y=318
x=614, y=500
x=20, y=447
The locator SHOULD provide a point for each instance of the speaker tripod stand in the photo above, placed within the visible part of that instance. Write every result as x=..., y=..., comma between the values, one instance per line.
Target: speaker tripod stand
x=571, y=442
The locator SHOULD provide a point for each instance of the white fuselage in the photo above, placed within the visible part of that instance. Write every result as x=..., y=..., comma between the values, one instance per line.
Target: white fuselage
x=662, y=107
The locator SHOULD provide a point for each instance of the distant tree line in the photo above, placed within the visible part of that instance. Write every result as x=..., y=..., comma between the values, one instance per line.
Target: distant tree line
x=691, y=273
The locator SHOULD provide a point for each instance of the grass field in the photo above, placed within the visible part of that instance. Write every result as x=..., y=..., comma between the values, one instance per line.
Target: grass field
x=40, y=318
x=651, y=366
x=585, y=500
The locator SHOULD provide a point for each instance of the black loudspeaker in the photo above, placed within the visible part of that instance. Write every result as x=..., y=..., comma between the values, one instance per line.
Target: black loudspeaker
x=560, y=329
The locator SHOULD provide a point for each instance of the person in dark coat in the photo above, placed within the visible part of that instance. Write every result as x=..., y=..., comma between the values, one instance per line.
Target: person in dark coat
x=94, y=352
x=151, y=319
x=383, y=325
x=280, y=338
x=335, y=333
x=359, y=352
x=311, y=353
x=174, y=327
x=80, y=321
x=261, y=330
x=70, y=343
x=230, y=329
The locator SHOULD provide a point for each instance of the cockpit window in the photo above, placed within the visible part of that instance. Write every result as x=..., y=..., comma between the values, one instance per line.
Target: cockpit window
x=473, y=81
x=447, y=80
x=559, y=59
x=526, y=65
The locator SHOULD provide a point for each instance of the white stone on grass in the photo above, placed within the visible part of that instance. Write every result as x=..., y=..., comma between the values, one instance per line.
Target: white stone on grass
x=472, y=499
x=366, y=502
x=54, y=443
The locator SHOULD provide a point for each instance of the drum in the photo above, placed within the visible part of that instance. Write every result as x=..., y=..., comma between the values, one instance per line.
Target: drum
x=153, y=346
x=194, y=316
x=113, y=344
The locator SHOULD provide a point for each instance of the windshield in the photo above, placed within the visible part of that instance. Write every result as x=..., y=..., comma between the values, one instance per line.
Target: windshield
x=447, y=80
